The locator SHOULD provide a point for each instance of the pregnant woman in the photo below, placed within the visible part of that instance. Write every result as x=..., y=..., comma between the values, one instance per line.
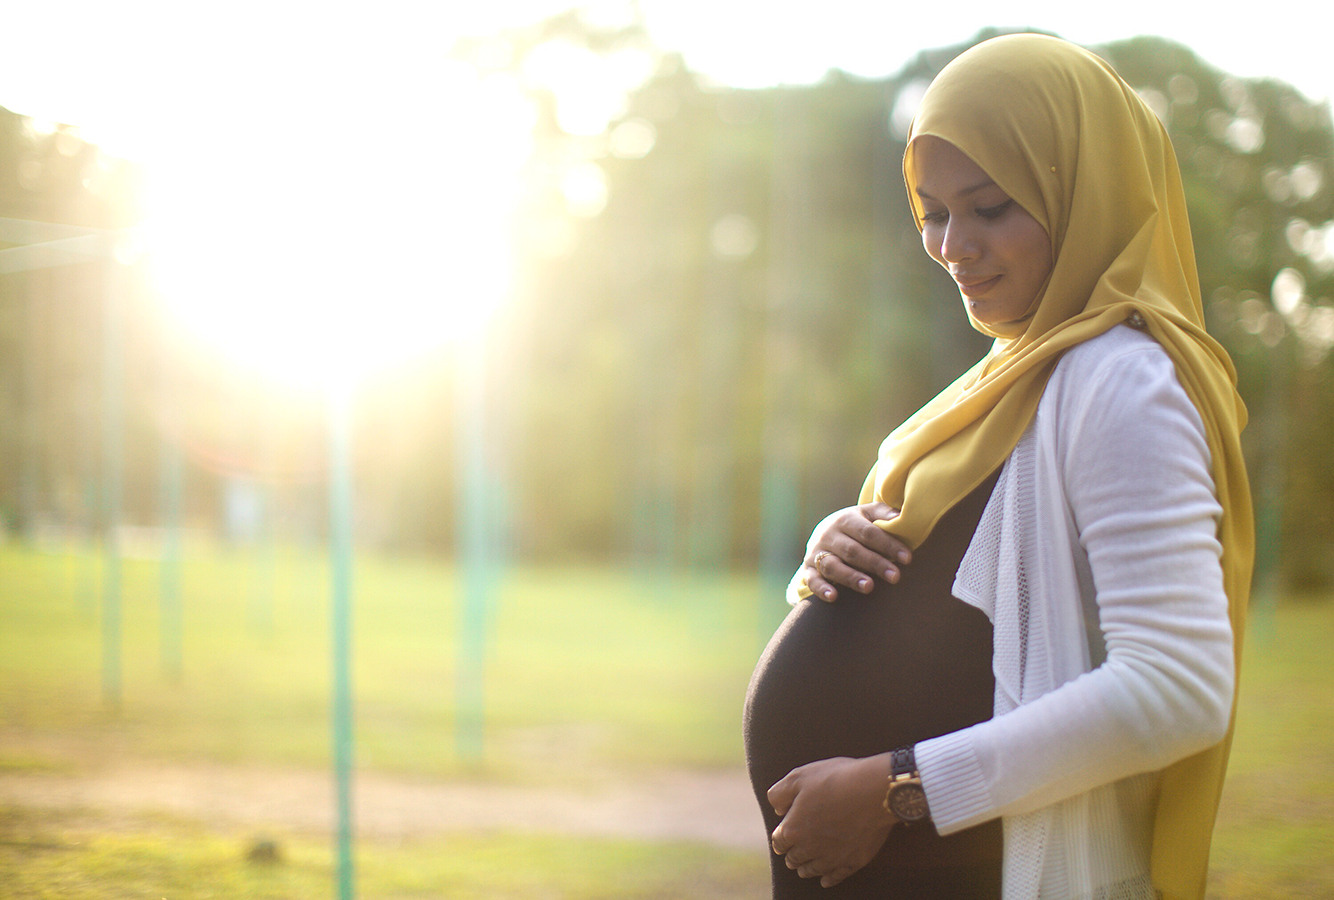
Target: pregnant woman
x=1010, y=670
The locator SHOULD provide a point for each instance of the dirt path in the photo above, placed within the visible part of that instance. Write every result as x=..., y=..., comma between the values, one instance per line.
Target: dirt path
x=714, y=807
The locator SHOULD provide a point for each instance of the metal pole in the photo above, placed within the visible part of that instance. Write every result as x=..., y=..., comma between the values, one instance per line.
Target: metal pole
x=169, y=596
x=340, y=544
x=790, y=191
x=112, y=426
x=477, y=558
x=263, y=562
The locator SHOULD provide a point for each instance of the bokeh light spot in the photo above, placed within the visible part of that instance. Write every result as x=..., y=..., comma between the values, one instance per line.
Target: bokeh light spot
x=584, y=187
x=905, y=108
x=1183, y=89
x=1307, y=179
x=1288, y=291
x=1245, y=135
x=734, y=236
x=633, y=139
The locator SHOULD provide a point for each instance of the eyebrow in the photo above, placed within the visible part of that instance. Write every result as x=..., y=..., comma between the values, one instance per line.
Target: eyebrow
x=963, y=193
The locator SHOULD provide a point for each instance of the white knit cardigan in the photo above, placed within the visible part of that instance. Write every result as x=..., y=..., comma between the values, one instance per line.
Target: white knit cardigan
x=1097, y=561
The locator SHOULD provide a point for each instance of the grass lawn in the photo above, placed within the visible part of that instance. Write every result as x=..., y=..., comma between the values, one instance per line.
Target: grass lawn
x=588, y=667
x=71, y=857
x=588, y=671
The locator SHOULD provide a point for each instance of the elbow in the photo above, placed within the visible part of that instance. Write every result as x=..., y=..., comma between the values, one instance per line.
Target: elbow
x=1211, y=686
x=1205, y=724
x=1178, y=678
x=1183, y=707
x=1215, y=714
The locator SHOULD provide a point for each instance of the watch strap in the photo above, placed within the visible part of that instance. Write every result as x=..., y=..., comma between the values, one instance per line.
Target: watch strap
x=905, y=798
x=903, y=761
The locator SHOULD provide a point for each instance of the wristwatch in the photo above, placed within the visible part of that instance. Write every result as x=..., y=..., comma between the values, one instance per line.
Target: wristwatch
x=905, y=797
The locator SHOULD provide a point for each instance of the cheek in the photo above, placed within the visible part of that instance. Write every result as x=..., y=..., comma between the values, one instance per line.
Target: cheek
x=1032, y=245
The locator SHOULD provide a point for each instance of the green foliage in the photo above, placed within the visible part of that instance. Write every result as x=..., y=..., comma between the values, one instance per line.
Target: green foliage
x=1257, y=161
x=750, y=298
x=834, y=325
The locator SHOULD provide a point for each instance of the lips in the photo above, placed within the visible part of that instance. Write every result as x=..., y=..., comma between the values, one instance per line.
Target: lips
x=976, y=287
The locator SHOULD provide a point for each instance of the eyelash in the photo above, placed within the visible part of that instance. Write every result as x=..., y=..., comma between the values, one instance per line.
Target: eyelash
x=989, y=212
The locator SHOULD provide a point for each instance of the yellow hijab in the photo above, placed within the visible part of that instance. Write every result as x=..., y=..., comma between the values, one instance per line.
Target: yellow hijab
x=1061, y=133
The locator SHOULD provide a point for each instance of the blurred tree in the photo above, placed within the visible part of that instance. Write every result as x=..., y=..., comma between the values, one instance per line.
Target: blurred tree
x=50, y=324
x=830, y=302
x=1257, y=160
x=713, y=281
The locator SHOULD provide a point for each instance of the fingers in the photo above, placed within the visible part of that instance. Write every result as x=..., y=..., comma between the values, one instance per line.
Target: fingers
x=818, y=585
x=832, y=570
x=837, y=571
x=782, y=845
x=865, y=546
x=848, y=549
x=848, y=564
x=793, y=857
x=781, y=795
x=836, y=876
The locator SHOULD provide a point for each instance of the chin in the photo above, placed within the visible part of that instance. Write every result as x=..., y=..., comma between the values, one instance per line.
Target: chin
x=991, y=313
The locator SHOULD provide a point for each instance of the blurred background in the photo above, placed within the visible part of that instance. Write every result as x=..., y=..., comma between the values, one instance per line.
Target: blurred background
x=526, y=345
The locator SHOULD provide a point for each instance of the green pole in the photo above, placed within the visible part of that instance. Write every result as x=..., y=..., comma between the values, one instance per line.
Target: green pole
x=476, y=557
x=169, y=591
x=780, y=480
x=112, y=425
x=340, y=544
x=263, y=563
x=92, y=557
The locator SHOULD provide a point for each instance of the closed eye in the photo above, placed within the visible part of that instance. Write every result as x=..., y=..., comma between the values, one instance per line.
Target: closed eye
x=935, y=218
x=995, y=212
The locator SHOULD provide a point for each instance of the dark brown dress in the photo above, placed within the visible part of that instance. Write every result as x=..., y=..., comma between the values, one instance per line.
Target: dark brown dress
x=868, y=674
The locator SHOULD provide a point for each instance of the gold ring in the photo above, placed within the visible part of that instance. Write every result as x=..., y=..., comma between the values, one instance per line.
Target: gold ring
x=819, y=558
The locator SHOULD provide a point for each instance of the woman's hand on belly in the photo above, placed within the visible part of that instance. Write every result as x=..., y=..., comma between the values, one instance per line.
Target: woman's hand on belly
x=834, y=819
x=849, y=549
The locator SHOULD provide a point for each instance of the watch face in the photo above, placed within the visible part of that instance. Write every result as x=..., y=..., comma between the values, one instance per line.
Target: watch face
x=908, y=802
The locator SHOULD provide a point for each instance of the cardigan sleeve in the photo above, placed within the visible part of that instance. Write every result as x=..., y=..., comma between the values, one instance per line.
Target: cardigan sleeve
x=1135, y=471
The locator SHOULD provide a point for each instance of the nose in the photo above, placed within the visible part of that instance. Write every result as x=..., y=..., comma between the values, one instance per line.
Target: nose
x=959, y=243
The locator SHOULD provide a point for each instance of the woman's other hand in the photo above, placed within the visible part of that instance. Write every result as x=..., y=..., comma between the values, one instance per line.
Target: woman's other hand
x=834, y=819
x=849, y=549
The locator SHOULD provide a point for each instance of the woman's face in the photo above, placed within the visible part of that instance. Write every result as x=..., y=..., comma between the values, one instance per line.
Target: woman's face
x=994, y=250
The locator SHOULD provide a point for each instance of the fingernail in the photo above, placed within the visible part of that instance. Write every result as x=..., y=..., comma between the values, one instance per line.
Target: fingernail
x=864, y=585
x=893, y=577
x=828, y=594
x=904, y=556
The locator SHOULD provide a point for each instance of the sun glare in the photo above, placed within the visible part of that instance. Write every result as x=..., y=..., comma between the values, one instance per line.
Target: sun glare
x=318, y=244
x=330, y=194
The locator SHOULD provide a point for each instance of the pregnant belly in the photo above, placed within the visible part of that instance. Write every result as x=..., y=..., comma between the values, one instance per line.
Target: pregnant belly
x=865, y=675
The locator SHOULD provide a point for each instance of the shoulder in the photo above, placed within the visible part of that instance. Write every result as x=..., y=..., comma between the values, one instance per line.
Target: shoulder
x=1118, y=393
x=1120, y=369
x=1121, y=347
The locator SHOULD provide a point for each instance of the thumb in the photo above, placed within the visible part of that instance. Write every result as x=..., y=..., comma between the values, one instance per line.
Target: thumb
x=880, y=511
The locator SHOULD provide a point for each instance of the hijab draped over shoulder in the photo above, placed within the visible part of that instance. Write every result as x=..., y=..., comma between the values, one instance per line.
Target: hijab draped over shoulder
x=1057, y=129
